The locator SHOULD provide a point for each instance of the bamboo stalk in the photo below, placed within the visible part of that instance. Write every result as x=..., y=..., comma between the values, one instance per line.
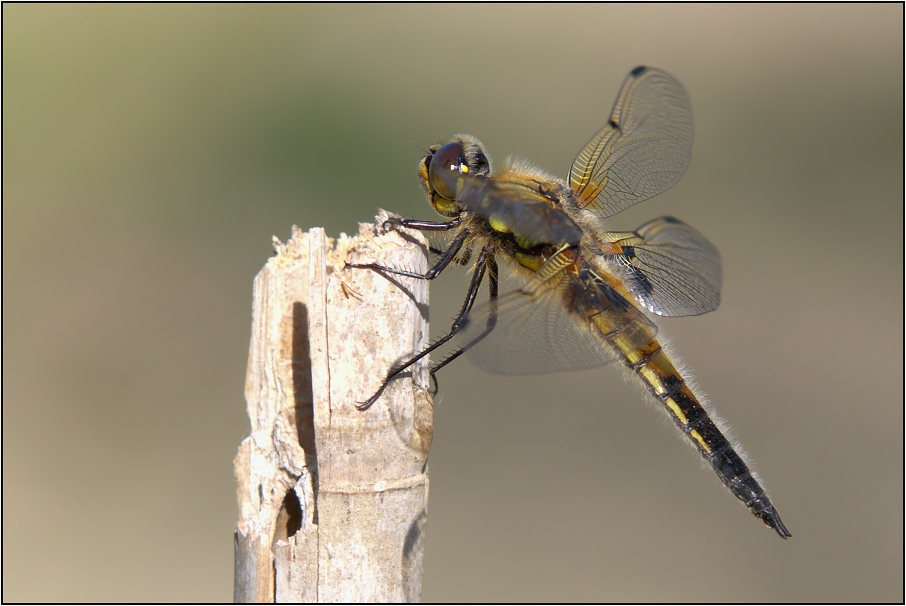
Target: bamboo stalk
x=333, y=501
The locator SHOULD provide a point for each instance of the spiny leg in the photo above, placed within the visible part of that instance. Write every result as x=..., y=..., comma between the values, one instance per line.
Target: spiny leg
x=477, y=276
x=493, y=281
x=423, y=225
x=442, y=263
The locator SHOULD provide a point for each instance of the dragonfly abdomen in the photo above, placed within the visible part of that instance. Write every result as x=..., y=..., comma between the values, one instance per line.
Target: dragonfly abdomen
x=652, y=365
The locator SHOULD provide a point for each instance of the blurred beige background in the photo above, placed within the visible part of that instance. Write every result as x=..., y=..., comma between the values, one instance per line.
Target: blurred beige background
x=150, y=152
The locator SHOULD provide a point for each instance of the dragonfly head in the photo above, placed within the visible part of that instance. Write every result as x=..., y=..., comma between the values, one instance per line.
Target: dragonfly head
x=447, y=169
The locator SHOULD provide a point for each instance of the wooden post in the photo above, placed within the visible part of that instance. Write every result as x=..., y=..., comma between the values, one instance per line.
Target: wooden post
x=333, y=501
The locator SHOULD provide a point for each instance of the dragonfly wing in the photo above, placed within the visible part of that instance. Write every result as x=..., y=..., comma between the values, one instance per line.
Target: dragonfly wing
x=670, y=268
x=522, y=334
x=644, y=148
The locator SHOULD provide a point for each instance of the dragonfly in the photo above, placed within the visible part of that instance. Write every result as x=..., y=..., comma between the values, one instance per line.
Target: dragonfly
x=588, y=296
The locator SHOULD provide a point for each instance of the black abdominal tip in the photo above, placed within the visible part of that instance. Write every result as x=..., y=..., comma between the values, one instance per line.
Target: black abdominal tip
x=773, y=520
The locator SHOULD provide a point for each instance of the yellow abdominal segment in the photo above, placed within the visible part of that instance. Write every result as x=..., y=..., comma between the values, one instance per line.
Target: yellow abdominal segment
x=654, y=367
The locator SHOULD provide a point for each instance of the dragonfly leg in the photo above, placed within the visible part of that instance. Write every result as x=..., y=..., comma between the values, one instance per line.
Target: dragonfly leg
x=442, y=263
x=493, y=282
x=480, y=266
x=420, y=225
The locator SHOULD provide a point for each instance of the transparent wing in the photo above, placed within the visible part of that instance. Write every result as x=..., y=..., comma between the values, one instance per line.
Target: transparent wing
x=519, y=334
x=642, y=151
x=670, y=268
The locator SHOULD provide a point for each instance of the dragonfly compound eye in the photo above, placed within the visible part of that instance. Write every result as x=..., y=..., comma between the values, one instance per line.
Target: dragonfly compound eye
x=447, y=169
